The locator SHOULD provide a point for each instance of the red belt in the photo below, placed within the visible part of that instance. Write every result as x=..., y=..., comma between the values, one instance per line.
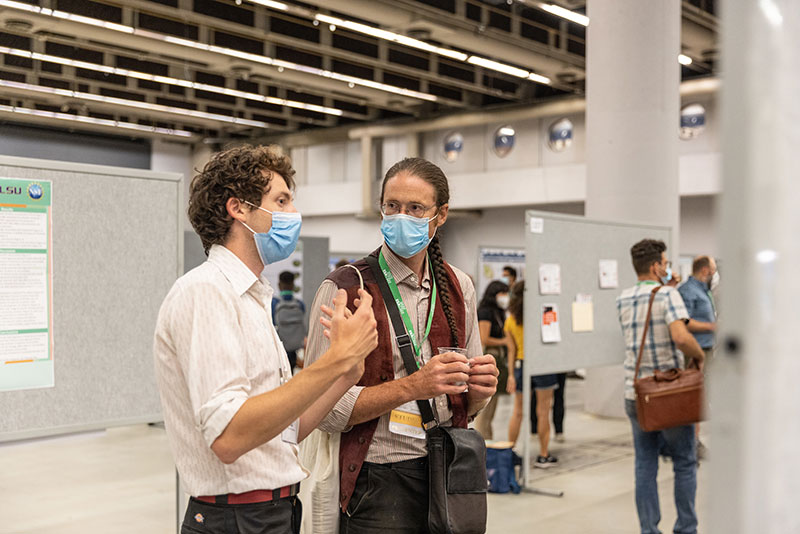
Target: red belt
x=251, y=497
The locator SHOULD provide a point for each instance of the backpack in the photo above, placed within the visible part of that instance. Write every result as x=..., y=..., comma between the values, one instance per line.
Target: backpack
x=500, y=470
x=290, y=323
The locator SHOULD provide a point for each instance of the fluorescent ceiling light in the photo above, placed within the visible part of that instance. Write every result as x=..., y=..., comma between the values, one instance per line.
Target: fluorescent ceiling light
x=336, y=22
x=280, y=6
x=132, y=104
x=390, y=36
x=169, y=81
x=238, y=54
x=559, y=11
x=539, y=78
x=95, y=120
x=507, y=69
x=684, y=59
x=499, y=67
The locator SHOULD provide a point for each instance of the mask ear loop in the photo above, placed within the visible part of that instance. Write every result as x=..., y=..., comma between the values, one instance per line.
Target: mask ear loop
x=360, y=278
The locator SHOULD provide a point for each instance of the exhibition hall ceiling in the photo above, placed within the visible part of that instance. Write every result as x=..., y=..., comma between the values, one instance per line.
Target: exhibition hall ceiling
x=237, y=69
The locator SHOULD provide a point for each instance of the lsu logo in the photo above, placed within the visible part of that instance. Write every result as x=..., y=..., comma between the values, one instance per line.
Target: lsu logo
x=35, y=191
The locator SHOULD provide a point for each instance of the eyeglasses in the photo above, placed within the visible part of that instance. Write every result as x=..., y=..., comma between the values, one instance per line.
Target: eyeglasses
x=415, y=209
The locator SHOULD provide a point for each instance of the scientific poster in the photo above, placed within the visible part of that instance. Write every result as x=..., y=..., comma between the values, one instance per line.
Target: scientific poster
x=26, y=312
x=549, y=279
x=609, y=274
x=551, y=330
x=491, y=262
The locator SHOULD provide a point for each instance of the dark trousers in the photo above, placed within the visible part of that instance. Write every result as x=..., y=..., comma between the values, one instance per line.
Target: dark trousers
x=558, y=406
x=281, y=516
x=292, y=355
x=390, y=498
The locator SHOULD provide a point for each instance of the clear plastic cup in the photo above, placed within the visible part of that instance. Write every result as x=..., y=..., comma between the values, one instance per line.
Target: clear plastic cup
x=458, y=350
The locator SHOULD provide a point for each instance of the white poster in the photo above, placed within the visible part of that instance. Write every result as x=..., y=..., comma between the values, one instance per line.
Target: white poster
x=26, y=355
x=551, y=331
x=549, y=279
x=609, y=276
x=491, y=262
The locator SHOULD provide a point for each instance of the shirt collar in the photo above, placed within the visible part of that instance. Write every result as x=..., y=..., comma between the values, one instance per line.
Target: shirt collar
x=401, y=272
x=698, y=283
x=237, y=273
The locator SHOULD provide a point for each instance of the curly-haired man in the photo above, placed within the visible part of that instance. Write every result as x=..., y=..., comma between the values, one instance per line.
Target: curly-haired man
x=232, y=410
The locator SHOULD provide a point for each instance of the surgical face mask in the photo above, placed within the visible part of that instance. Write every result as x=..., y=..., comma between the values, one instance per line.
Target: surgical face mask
x=712, y=285
x=407, y=236
x=667, y=277
x=506, y=280
x=502, y=301
x=281, y=240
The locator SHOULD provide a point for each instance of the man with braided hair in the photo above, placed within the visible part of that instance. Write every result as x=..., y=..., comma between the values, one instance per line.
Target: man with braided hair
x=384, y=476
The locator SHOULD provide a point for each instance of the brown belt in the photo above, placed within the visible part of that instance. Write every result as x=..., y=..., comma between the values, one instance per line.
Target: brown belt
x=251, y=497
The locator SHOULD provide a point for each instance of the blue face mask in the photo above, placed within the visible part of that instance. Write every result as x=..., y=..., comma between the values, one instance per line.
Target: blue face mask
x=281, y=240
x=506, y=280
x=668, y=277
x=407, y=236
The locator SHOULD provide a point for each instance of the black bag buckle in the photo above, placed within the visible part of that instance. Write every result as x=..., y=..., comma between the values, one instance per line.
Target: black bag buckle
x=403, y=340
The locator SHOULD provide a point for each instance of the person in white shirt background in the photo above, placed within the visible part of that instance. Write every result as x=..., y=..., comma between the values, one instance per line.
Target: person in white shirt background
x=232, y=411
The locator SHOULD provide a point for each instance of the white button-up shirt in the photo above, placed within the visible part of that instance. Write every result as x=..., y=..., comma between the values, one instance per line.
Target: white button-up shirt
x=215, y=347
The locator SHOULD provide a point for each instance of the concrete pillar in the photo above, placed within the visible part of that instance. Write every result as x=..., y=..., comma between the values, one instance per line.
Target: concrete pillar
x=632, y=110
x=755, y=423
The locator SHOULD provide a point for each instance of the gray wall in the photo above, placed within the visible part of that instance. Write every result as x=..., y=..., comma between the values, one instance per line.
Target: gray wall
x=44, y=143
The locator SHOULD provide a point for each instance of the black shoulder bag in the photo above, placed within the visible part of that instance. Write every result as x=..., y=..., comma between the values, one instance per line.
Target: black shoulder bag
x=457, y=481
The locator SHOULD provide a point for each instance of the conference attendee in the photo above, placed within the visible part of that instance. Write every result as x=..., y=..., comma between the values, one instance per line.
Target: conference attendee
x=491, y=318
x=516, y=355
x=542, y=386
x=289, y=317
x=697, y=297
x=232, y=412
x=384, y=475
x=509, y=276
x=670, y=342
x=699, y=301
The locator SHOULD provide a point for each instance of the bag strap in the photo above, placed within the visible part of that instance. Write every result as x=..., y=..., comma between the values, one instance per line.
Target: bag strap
x=403, y=339
x=644, y=334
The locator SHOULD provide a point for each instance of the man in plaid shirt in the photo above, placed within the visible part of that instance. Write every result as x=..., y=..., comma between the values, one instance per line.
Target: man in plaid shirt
x=668, y=342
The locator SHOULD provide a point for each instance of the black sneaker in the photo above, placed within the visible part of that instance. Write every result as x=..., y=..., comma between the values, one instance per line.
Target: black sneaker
x=545, y=461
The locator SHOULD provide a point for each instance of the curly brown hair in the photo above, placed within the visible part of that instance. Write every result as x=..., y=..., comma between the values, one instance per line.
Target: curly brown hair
x=244, y=172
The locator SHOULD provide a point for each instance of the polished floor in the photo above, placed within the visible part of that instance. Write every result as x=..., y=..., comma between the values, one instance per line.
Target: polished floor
x=123, y=481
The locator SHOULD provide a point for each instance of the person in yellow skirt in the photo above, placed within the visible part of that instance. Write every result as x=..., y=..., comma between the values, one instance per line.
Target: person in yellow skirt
x=543, y=385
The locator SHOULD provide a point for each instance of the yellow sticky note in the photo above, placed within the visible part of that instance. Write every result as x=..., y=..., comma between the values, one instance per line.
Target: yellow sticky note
x=582, y=317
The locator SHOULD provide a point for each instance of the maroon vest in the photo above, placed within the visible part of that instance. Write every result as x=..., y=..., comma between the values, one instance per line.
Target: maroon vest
x=379, y=367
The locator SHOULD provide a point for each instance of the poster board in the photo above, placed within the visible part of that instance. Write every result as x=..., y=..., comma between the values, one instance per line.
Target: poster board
x=579, y=245
x=117, y=248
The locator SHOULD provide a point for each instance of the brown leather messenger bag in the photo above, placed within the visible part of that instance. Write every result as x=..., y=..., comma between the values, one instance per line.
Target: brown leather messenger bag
x=667, y=398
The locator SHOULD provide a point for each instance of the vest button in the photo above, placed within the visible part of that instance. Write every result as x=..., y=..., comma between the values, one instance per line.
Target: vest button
x=362, y=440
x=352, y=467
x=384, y=377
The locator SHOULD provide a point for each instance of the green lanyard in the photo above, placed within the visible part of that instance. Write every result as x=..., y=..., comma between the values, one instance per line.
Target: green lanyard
x=713, y=304
x=404, y=312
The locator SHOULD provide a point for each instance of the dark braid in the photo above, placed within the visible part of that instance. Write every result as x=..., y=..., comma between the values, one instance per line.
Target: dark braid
x=443, y=286
x=432, y=174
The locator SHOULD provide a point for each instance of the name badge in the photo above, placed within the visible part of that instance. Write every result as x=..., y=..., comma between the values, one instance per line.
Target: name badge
x=290, y=433
x=406, y=420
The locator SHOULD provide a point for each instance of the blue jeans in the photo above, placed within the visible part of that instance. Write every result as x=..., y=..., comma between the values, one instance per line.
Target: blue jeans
x=679, y=442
